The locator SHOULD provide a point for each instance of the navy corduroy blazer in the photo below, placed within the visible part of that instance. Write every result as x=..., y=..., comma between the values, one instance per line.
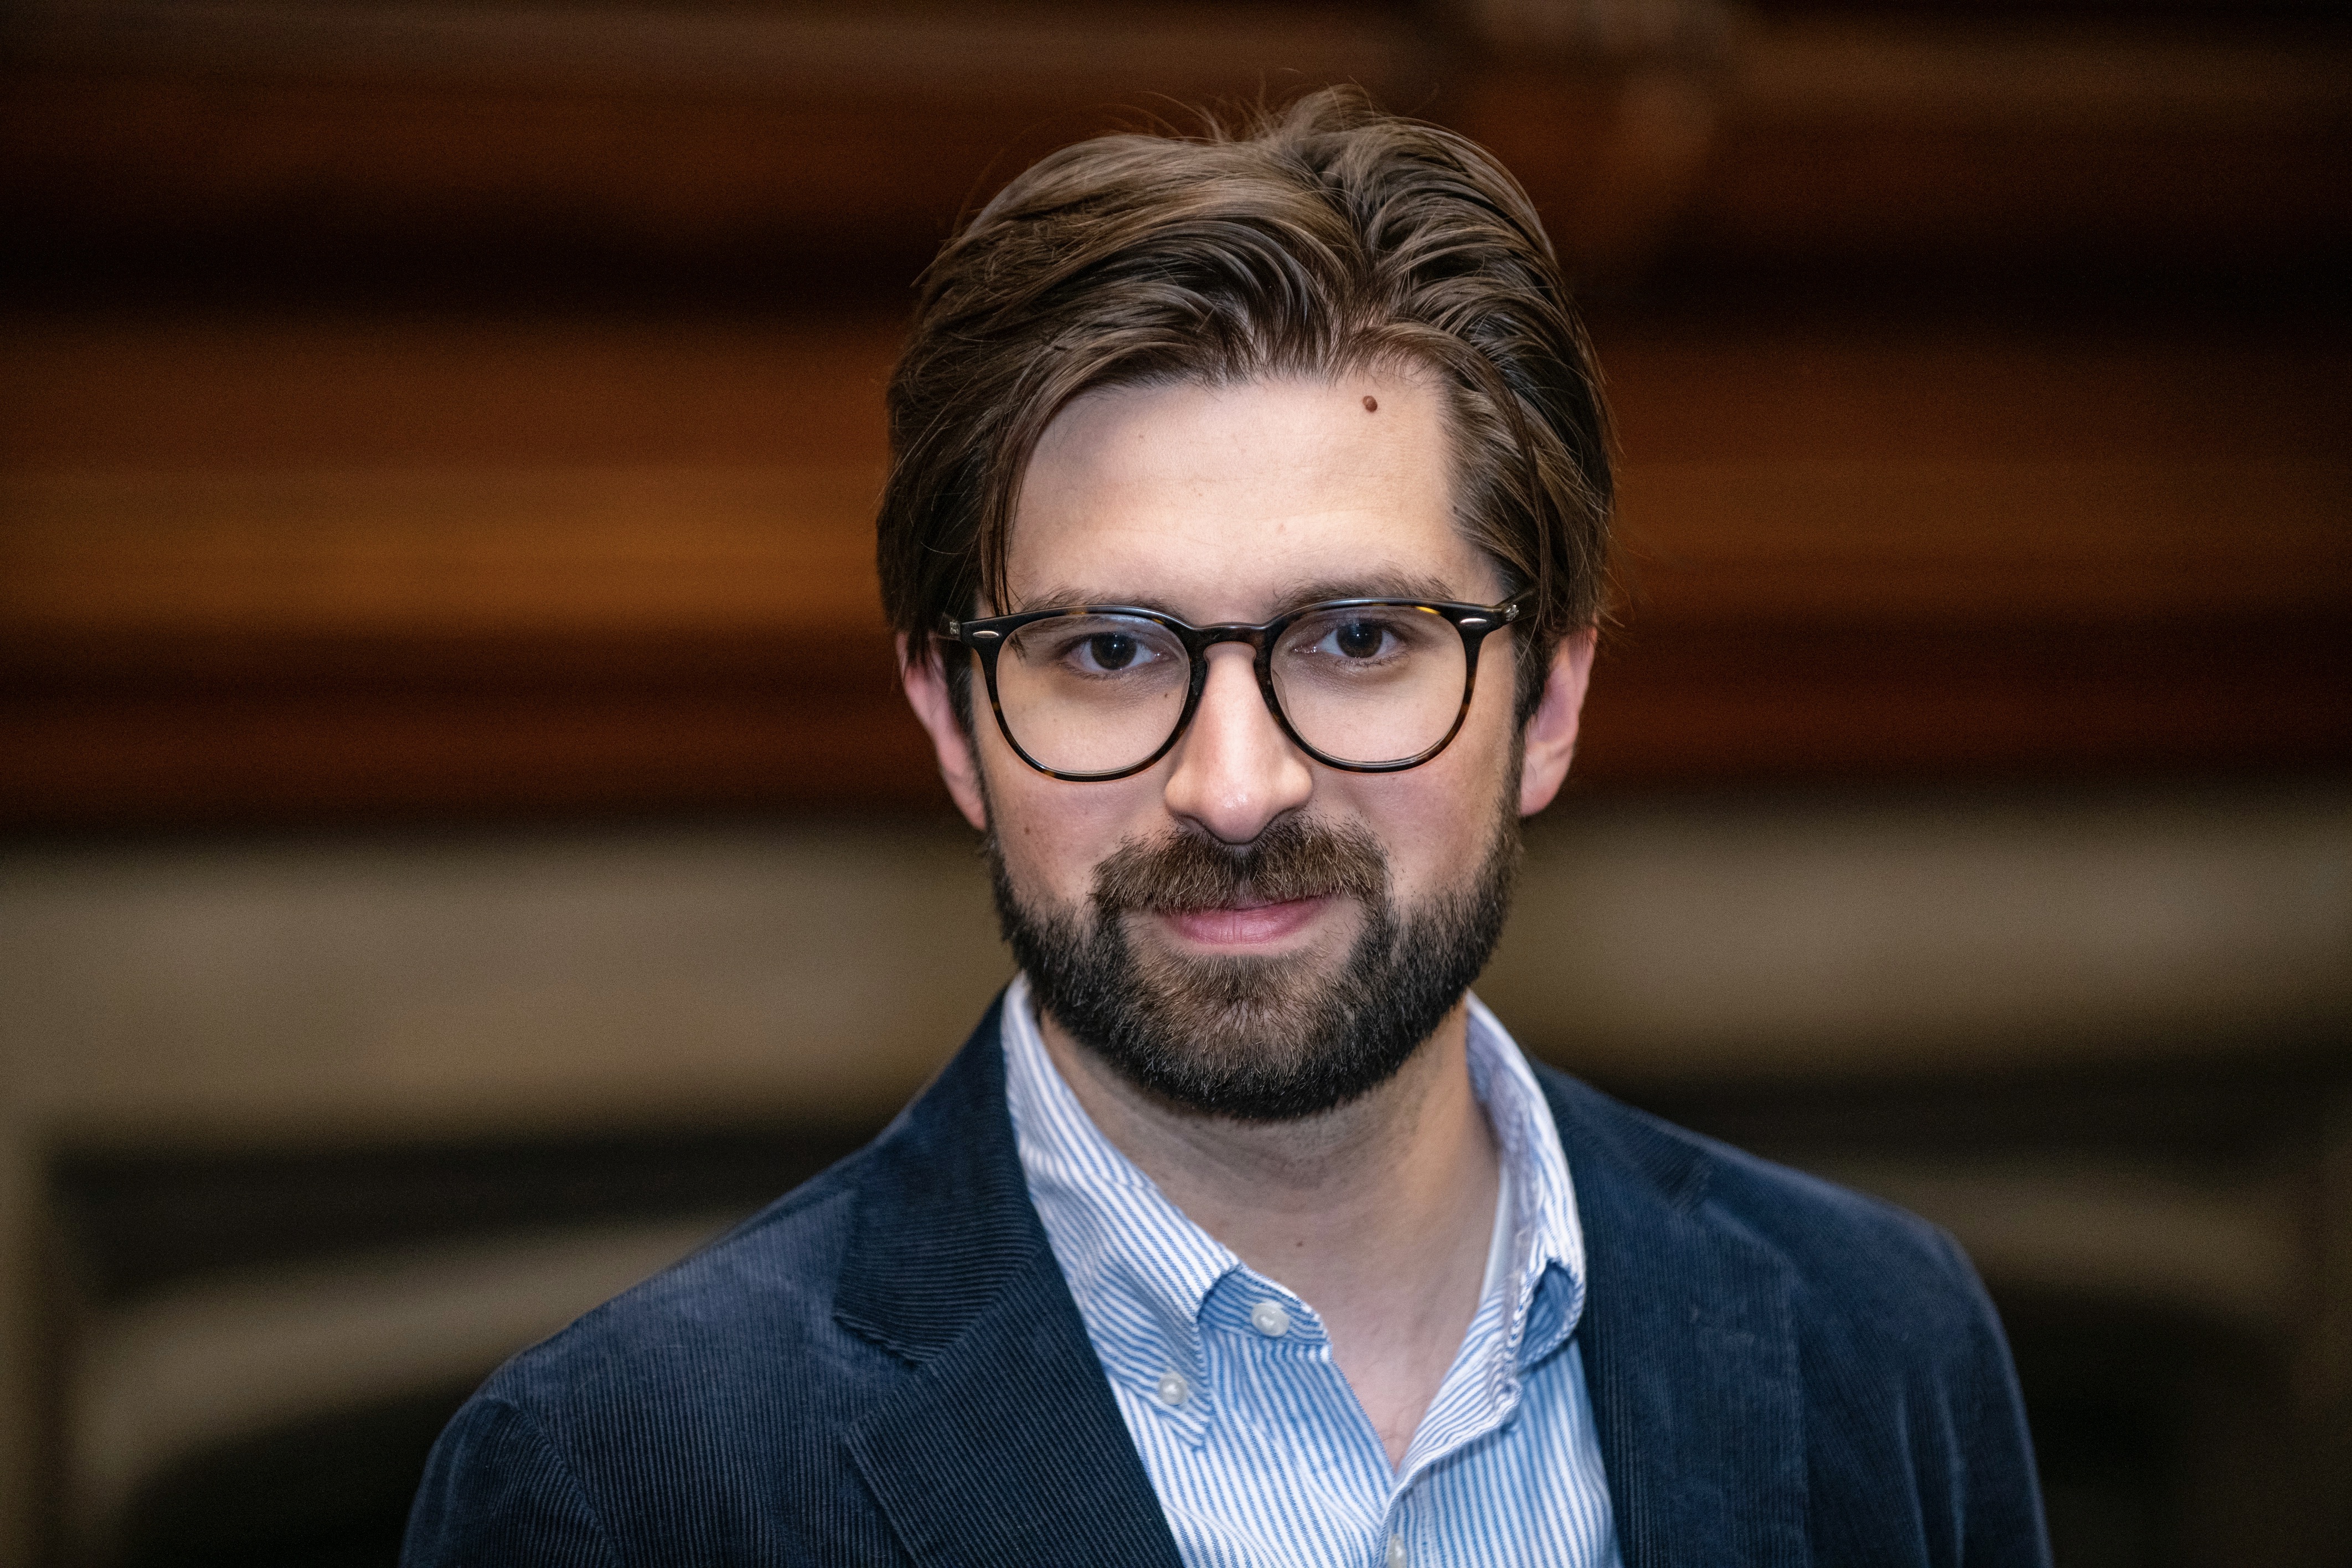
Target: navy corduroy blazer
x=885, y=1367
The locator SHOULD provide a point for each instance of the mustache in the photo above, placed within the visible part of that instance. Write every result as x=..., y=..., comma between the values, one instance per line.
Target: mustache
x=1294, y=858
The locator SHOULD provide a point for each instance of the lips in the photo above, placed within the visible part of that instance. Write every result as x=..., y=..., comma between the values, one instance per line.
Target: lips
x=1246, y=924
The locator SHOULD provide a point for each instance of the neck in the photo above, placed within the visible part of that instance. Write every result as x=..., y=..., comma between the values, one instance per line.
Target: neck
x=1376, y=1214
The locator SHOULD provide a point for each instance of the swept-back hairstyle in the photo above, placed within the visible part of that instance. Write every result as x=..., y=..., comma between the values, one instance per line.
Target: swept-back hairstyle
x=1312, y=240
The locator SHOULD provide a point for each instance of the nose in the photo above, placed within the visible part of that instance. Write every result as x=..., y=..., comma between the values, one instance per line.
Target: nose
x=1235, y=771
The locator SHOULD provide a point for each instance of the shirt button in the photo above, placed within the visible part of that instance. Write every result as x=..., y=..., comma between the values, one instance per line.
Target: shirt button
x=1268, y=1319
x=1396, y=1552
x=1173, y=1389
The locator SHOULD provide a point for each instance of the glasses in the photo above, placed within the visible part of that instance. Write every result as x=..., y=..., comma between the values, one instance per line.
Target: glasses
x=1101, y=691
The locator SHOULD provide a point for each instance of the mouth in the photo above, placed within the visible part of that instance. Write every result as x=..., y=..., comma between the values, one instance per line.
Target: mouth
x=1245, y=924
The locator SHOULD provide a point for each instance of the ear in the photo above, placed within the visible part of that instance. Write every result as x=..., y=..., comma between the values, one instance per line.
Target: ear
x=926, y=684
x=1551, y=733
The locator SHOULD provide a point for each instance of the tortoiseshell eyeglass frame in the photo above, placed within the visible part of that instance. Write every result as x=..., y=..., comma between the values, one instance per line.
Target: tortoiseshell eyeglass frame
x=986, y=637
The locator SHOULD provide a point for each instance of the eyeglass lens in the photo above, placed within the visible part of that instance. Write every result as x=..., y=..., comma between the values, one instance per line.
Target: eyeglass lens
x=1364, y=684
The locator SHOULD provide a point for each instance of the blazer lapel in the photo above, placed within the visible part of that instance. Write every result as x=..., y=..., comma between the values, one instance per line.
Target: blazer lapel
x=1690, y=1349
x=1002, y=1445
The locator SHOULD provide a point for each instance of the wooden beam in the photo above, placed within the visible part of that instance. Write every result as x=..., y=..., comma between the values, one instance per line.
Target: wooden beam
x=347, y=644
x=1954, y=144
x=690, y=140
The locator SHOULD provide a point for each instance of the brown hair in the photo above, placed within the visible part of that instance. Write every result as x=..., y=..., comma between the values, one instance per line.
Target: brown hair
x=1321, y=238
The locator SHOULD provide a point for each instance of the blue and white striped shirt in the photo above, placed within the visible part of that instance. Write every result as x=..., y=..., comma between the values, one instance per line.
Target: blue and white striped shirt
x=1252, y=1438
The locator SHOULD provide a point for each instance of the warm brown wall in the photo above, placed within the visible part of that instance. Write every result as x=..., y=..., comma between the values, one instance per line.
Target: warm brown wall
x=322, y=566
x=480, y=417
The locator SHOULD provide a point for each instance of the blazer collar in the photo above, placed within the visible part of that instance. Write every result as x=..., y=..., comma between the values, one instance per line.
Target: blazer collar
x=1003, y=1444
x=1690, y=1349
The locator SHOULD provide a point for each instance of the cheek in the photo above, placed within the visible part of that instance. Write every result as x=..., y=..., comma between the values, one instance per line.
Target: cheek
x=1052, y=834
x=1442, y=819
x=1437, y=835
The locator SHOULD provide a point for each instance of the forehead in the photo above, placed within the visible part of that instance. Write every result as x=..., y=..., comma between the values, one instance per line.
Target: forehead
x=1233, y=503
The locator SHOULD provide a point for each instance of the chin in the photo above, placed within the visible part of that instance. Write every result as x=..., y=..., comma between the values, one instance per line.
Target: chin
x=1253, y=1037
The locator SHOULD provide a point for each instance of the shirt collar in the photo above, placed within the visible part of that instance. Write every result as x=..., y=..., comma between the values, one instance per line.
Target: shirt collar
x=1546, y=1261
x=1140, y=1270
x=1137, y=1267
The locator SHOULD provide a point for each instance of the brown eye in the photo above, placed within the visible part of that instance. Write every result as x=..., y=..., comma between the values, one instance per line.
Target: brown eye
x=1359, y=639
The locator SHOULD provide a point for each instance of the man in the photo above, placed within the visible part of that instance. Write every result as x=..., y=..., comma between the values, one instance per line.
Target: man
x=1245, y=536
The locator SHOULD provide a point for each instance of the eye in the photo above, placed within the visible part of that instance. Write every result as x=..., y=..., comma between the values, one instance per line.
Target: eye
x=1110, y=650
x=1359, y=639
x=1363, y=639
x=1100, y=647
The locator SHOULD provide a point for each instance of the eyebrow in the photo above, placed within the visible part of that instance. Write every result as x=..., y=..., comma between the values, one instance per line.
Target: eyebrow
x=1373, y=586
x=1378, y=585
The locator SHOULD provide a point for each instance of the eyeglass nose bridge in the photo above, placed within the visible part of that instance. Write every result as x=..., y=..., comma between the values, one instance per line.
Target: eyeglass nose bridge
x=1260, y=641
x=1206, y=638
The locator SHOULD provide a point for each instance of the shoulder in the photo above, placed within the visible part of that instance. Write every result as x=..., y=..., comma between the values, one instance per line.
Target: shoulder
x=747, y=1358
x=707, y=1407
x=650, y=1420
x=791, y=1288
x=1870, y=1321
x=1844, y=1248
x=768, y=1284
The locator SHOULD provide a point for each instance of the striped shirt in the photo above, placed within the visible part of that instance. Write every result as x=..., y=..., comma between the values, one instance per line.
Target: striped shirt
x=1252, y=1438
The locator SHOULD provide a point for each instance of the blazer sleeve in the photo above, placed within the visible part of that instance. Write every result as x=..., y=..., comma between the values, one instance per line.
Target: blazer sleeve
x=2000, y=1514
x=497, y=1494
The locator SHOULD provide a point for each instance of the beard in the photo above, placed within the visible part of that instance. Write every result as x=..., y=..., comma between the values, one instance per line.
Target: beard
x=1258, y=1038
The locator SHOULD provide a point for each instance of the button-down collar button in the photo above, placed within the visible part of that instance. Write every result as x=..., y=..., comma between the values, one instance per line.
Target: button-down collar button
x=1396, y=1557
x=1268, y=1319
x=1174, y=1388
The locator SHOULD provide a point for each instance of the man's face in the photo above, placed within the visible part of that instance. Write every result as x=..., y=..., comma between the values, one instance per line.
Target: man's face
x=1237, y=927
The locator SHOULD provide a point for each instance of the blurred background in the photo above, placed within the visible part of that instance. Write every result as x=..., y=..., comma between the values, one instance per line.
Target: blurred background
x=460, y=845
